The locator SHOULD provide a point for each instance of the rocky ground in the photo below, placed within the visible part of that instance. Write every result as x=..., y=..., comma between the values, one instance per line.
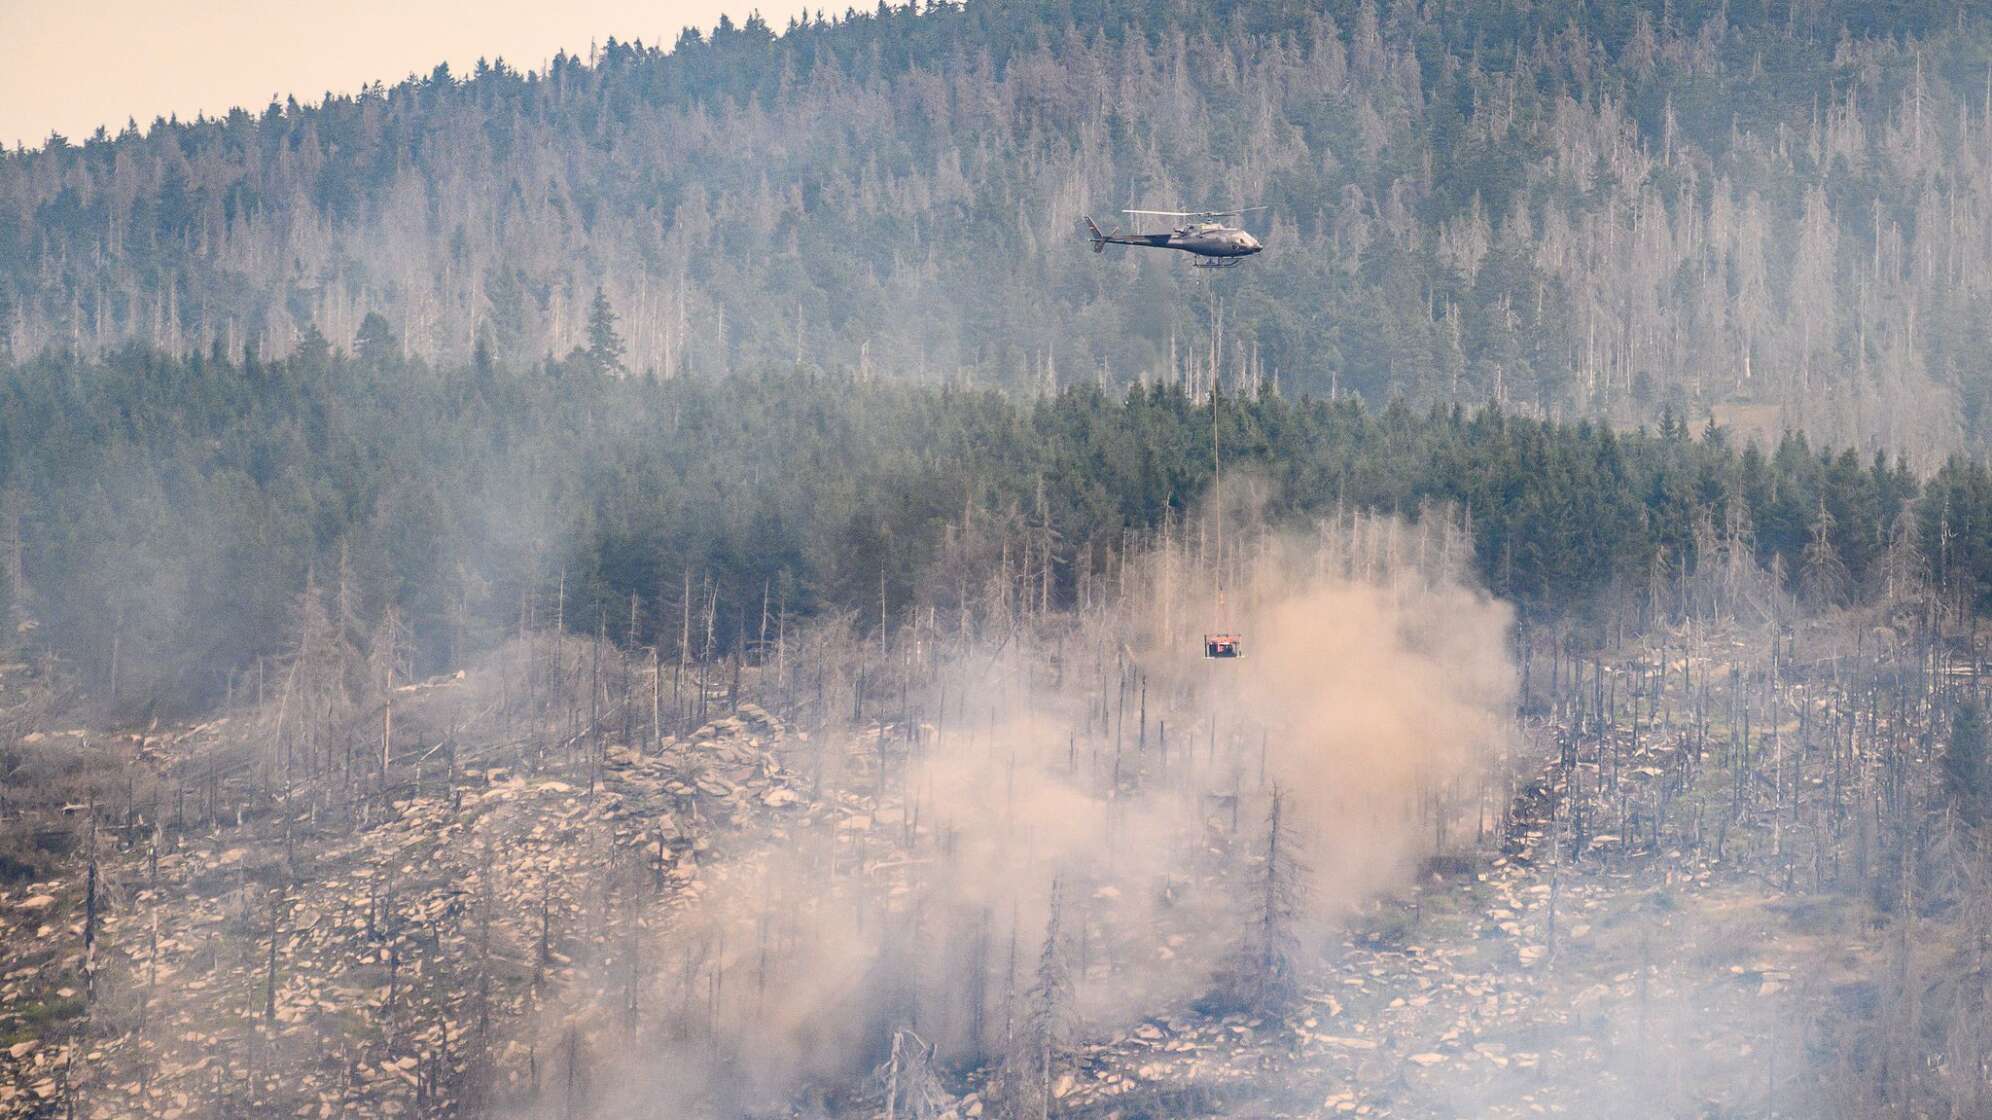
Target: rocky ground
x=390, y=970
x=1657, y=988
x=426, y=946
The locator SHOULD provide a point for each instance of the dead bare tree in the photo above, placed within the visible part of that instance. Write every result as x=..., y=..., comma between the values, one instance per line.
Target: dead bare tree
x=1031, y=1068
x=1259, y=974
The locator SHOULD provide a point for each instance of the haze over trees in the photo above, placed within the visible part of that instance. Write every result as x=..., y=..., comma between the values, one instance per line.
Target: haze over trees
x=1779, y=211
x=674, y=586
x=164, y=514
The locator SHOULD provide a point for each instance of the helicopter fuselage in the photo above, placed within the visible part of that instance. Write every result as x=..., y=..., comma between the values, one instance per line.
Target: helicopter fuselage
x=1204, y=239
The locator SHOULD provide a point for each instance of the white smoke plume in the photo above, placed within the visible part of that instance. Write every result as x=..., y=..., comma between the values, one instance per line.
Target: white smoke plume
x=1098, y=750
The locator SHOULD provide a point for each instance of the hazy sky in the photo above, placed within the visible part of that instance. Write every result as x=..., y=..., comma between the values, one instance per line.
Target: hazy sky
x=71, y=65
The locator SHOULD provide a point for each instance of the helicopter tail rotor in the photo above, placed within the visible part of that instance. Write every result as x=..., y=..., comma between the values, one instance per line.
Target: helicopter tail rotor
x=1099, y=239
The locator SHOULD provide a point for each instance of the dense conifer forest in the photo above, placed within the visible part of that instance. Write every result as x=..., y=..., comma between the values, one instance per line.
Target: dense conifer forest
x=670, y=584
x=1776, y=211
x=163, y=514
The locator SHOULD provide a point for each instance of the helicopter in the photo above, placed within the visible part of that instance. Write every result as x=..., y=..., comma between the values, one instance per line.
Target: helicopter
x=1201, y=233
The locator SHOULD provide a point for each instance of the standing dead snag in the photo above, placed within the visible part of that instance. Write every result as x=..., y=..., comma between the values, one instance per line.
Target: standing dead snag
x=573, y=1087
x=1258, y=976
x=386, y=655
x=90, y=912
x=270, y=975
x=1032, y=1065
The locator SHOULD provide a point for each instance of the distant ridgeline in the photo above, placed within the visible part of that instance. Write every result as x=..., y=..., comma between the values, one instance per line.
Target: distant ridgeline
x=166, y=522
x=1778, y=212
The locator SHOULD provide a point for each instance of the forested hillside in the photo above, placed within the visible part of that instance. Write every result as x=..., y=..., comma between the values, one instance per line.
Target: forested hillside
x=1779, y=211
x=1694, y=827
x=166, y=521
x=675, y=585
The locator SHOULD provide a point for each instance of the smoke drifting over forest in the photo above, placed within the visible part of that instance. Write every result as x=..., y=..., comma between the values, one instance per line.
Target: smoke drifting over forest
x=1376, y=691
x=1101, y=757
x=675, y=587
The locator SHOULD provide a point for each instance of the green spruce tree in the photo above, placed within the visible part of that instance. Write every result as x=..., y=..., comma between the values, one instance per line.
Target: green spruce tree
x=605, y=346
x=1964, y=764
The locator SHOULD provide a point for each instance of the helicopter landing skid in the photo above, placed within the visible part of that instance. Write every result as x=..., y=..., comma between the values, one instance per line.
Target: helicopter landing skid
x=1219, y=262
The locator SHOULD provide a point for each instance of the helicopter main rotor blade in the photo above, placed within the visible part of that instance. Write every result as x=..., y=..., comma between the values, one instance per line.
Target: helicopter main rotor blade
x=1196, y=213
